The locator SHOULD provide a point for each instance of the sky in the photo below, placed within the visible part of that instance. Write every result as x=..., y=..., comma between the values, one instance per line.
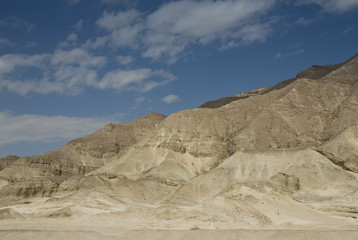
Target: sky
x=68, y=67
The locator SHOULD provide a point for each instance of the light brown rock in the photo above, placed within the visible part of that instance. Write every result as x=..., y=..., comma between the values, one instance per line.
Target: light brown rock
x=281, y=157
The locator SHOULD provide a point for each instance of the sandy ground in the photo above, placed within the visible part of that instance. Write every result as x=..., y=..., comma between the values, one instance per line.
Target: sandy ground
x=111, y=228
x=176, y=235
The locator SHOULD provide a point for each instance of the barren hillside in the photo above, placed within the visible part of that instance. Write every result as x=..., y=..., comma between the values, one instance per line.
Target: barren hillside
x=281, y=157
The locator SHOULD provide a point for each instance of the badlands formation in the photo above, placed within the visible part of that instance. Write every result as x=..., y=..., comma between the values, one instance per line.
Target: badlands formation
x=277, y=162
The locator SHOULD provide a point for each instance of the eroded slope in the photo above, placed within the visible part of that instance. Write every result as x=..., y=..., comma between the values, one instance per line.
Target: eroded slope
x=282, y=156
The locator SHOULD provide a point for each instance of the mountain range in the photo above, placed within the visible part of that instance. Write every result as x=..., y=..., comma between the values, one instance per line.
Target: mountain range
x=281, y=157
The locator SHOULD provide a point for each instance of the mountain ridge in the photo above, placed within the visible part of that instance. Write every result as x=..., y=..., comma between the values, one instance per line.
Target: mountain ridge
x=314, y=72
x=247, y=160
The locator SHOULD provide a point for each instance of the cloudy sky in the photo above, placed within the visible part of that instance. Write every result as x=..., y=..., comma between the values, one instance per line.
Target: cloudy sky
x=68, y=67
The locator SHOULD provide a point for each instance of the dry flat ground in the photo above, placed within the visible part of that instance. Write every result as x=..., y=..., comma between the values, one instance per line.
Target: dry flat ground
x=176, y=235
x=112, y=228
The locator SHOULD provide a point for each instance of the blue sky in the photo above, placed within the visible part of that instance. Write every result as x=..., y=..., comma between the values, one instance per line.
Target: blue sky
x=68, y=67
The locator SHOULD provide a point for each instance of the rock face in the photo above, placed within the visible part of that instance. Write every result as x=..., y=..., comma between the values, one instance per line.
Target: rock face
x=8, y=160
x=274, y=156
x=286, y=181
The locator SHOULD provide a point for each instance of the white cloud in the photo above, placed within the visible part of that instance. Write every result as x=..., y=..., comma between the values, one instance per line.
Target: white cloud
x=5, y=42
x=126, y=36
x=72, y=37
x=205, y=20
x=332, y=6
x=77, y=56
x=348, y=30
x=16, y=22
x=124, y=27
x=163, y=34
x=176, y=25
x=125, y=60
x=40, y=128
x=69, y=72
x=65, y=72
x=13, y=63
x=42, y=86
x=138, y=101
x=64, y=45
x=167, y=32
x=30, y=44
x=294, y=53
x=79, y=25
x=170, y=99
x=304, y=21
x=69, y=43
x=279, y=55
x=66, y=78
x=100, y=42
x=111, y=21
x=9, y=62
x=73, y=70
x=139, y=80
x=253, y=32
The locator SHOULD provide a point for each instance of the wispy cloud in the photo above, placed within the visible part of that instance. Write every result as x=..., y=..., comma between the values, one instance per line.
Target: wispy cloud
x=170, y=99
x=115, y=21
x=40, y=128
x=30, y=44
x=69, y=72
x=138, y=101
x=5, y=42
x=124, y=27
x=99, y=42
x=70, y=41
x=348, y=30
x=293, y=53
x=142, y=80
x=72, y=37
x=16, y=22
x=79, y=25
x=125, y=60
x=167, y=32
x=304, y=21
x=9, y=62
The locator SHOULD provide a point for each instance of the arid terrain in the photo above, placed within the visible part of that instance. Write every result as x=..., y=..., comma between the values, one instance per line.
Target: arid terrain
x=277, y=162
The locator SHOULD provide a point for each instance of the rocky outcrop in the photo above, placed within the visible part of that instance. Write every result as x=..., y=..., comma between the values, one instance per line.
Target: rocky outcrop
x=7, y=161
x=63, y=212
x=28, y=189
x=286, y=181
x=83, y=155
x=8, y=213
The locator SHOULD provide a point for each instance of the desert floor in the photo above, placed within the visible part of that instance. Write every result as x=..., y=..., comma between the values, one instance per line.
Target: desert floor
x=19, y=234
x=62, y=228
